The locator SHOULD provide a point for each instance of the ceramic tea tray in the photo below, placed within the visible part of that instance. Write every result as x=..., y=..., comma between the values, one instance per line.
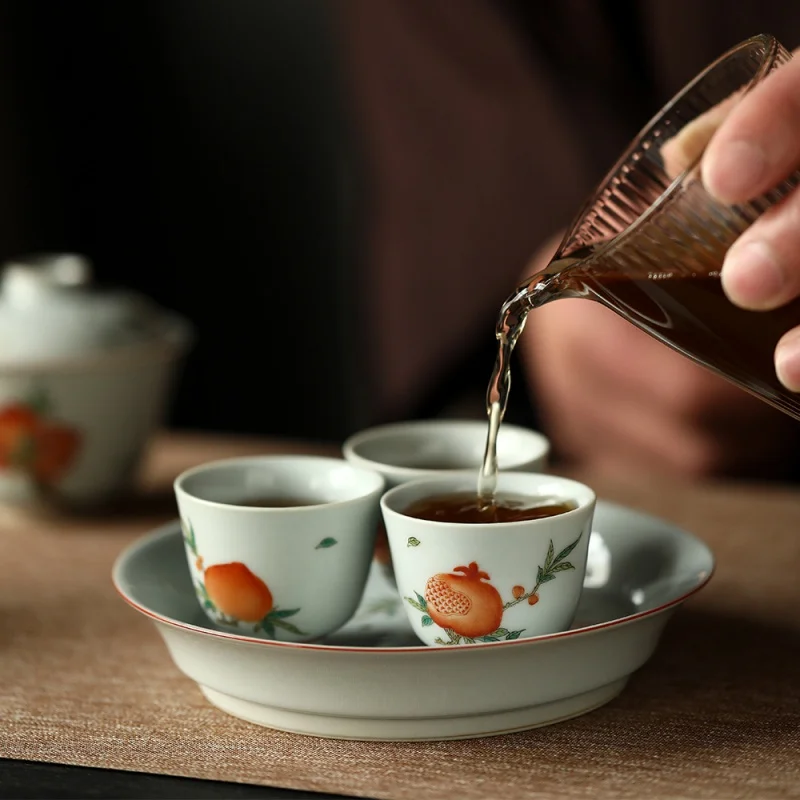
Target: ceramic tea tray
x=373, y=679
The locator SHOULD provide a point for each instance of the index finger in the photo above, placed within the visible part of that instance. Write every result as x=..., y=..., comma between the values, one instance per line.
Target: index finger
x=758, y=145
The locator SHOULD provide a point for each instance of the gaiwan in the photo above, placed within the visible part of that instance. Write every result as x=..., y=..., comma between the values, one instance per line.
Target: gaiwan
x=86, y=376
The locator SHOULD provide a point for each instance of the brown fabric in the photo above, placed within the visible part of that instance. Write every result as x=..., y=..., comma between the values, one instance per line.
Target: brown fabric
x=484, y=124
x=715, y=714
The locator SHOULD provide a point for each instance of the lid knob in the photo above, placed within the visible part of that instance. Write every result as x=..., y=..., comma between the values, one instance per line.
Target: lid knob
x=28, y=280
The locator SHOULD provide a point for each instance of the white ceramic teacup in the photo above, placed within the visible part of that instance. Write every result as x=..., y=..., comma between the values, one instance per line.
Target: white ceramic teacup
x=466, y=583
x=405, y=451
x=290, y=572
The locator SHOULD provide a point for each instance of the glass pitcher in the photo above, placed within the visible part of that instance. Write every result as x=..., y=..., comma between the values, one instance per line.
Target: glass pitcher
x=650, y=242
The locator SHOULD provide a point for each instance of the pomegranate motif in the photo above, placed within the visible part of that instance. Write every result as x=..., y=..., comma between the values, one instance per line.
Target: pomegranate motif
x=237, y=592
x=470, y=609
x=464, y=602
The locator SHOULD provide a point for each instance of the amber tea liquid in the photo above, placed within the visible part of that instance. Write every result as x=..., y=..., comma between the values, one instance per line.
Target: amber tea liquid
x=466, y=508
x=694, y=316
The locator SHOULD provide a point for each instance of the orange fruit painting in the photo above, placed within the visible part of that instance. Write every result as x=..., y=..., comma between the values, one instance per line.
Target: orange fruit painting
x=237, y=592
x=231, y=592
x=17, y=424
x=41, y=447
x=470, y=609
x=464, y=601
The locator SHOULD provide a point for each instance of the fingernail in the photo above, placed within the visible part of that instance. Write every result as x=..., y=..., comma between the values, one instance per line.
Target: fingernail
x=787, y=361
x=735, y=174
x=752, y=277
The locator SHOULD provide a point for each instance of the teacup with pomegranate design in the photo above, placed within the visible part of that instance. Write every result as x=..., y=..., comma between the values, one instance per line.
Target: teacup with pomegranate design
x=487, y=579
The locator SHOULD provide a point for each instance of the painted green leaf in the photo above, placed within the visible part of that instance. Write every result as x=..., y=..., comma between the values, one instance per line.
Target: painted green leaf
x=500, y=632
x=514, y=634
x=415, y=604
x=548, y=577
x=268, y=628
x=202, y=594
x=328, y=541
x=549, y=559
x=467, y=640
x=539, y=574
x=564, y=565
x=567, y=550
x=282, y=613
x=188, y=536
x=426, y=621
x=287, y=626
x=489, y=639
x=422, y=601
x=413, y=542
x=455, y=638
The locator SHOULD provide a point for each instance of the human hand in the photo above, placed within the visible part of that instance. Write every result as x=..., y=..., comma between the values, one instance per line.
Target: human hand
x=755, y=148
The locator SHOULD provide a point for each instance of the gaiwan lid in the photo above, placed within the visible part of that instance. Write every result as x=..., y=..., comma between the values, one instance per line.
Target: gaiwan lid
x=51, y=310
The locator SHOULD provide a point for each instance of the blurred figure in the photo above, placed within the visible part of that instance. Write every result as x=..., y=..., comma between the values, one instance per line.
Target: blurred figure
x=485, y=126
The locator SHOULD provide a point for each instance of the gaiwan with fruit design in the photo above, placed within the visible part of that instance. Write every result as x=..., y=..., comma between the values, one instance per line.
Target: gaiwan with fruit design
x=86, y=375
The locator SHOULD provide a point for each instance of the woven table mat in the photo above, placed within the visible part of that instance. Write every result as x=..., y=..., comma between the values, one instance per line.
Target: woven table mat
x=715, y=714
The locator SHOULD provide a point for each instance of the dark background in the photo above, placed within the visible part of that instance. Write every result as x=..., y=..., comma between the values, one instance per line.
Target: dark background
x=201, y=156
x=203, y=152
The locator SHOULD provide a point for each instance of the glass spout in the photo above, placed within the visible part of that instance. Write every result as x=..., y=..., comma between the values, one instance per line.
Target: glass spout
x=554, y=282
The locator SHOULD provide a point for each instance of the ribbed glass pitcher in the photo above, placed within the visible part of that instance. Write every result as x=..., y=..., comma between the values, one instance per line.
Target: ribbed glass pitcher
x=650, y=242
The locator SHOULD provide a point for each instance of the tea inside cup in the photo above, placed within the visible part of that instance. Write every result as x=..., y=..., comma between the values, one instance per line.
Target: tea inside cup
x=279, y=546
x=468, y=574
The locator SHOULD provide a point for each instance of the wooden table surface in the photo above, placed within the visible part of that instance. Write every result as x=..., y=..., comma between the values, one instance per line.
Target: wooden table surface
x=716, y=713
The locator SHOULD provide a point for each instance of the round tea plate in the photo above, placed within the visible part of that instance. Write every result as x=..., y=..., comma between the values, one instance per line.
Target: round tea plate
x=373, y=680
